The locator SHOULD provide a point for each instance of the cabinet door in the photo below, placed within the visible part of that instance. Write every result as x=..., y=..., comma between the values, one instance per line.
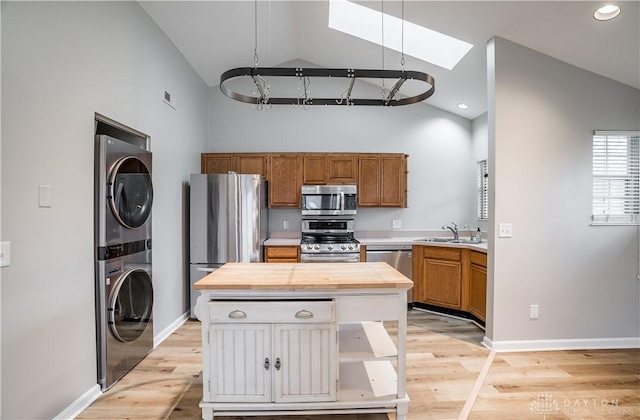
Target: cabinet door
x=238, y=369
x=442, y=282
x=314, y=169
x=342, y=169
x=478, y=291
x=307, y=368
x=393, y=177
x=369, y=181
x=251, y=164
x=284, y=180
x=216, y=163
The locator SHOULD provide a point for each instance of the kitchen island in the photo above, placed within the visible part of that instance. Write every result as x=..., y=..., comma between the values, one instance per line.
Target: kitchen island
x=303, y=339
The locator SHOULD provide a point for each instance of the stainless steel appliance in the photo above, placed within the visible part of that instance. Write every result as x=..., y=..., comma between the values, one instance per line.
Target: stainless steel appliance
x=329, y=200
x=397, y=256
x=125, y=313
x=124, y=192
x=328, y=240
x=228, y=222
x=124, y=290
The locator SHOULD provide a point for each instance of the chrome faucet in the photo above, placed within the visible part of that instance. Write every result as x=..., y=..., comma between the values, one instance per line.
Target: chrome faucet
x=453, y=229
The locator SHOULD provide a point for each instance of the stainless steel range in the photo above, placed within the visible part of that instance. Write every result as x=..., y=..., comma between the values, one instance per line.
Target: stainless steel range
x=328, y=240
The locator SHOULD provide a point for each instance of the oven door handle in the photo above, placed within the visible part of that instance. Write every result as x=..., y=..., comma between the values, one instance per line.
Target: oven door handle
x=342, y=202
x=334, y=258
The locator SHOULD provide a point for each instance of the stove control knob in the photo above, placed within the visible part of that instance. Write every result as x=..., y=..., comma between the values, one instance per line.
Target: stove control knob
x=330, y=247
x=343, y=247
x=316, y=246
x=350, y=247
x=309, y=246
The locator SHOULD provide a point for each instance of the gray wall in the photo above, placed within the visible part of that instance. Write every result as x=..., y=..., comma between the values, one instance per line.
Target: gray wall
x=541, y=119
x=61, y=63
x=441, y=163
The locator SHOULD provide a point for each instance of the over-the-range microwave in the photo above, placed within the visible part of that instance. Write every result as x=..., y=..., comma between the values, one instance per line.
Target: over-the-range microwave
x=329, y=200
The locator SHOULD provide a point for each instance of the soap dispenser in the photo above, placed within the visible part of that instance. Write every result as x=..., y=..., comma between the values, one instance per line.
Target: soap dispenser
x=478, y=236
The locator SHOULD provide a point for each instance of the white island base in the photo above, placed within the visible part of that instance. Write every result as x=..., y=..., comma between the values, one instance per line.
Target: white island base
x=303, y=339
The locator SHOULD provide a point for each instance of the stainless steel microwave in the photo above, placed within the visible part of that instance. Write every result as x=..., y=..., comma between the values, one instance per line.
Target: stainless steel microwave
x=329, y=200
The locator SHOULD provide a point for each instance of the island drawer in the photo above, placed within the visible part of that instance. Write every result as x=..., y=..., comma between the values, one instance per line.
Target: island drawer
x=271, y=311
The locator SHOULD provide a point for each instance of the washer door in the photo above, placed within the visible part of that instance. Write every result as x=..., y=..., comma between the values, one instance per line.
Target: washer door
x=131, y=192
x=130, y=305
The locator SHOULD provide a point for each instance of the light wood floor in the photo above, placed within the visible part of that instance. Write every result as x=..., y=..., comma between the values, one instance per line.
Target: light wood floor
x=445, y=363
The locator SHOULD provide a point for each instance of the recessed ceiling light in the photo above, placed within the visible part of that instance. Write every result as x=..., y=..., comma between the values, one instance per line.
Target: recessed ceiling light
x=419, y=42
x=463, y=106
x=607, y=12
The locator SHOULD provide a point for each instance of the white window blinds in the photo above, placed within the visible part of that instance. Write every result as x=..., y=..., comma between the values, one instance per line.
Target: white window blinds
x=616, y=177
x=483, y=190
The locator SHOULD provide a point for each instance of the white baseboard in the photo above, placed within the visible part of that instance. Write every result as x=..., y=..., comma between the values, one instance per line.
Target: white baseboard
x=79, y=405
x=566, y=344
x=160, y=337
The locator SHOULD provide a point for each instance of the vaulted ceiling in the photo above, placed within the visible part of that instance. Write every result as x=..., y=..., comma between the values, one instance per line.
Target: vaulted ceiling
x=215, y=36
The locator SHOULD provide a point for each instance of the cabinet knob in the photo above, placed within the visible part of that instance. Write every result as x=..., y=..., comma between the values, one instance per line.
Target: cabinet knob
x=266, y=363
x=277, y=365
x=237, y=314
x=304, y=314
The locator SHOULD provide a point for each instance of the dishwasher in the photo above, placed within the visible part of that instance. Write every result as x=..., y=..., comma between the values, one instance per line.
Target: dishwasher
x=397, y=256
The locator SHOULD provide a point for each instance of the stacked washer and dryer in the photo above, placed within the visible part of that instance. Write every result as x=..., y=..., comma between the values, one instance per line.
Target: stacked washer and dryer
x=124, y=290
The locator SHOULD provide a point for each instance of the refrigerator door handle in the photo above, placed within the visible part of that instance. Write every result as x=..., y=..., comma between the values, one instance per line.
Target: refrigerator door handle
x=206, y=269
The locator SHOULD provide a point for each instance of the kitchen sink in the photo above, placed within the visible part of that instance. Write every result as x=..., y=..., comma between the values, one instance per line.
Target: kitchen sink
x=438, y=239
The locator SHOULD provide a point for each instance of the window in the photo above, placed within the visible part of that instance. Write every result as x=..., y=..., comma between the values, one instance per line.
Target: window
x=616, y=177
x=483, y=188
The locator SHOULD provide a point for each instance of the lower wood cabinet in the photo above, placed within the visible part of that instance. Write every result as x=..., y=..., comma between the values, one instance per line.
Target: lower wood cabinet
x=453, y=278
x=282, y=254
x=442, y=277
x=477, y=304
x=272, y=352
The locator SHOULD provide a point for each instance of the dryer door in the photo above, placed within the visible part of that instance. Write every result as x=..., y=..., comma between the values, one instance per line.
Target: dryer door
x=130, y=305
x=131, y=192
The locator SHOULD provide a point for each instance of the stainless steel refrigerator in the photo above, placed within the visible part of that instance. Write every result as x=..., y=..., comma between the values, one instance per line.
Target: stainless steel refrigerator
x=228, y=222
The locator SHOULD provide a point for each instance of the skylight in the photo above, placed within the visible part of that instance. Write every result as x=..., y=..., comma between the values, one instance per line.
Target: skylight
x=419, y=42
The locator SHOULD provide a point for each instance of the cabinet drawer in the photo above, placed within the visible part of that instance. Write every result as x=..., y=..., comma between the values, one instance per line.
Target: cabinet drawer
x=283, y=252
x=272, y=311
x=479, y=258
x=441, y=253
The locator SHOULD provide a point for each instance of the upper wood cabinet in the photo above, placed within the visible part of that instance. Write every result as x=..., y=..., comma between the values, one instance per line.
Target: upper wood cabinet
x=251, y=164
x=216, y=163
x=242, y=163
x=285, y=180
x=314, y=169
x=382, y=180
x=342, y=168
x=381, y=177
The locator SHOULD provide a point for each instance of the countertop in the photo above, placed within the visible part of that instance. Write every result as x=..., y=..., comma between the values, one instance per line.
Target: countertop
x=297, y=276
x=391, y=241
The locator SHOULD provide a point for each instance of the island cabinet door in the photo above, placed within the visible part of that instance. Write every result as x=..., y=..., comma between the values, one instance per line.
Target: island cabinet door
x=305, y=362
x=240, y=365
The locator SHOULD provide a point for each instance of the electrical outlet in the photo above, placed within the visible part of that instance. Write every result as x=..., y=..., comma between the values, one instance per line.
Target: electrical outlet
x=285, y=224
x=5, y=254
x=504, y=230
x=397, y=224
x=533, y=312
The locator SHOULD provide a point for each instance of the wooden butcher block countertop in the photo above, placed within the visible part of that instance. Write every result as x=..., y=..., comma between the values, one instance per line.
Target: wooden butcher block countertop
x=262, y=276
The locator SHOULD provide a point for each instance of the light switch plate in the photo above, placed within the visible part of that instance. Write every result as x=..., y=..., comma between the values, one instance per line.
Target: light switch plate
x=44, y=195
x=397, y=224
x=5, y=254
x=504, y=230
